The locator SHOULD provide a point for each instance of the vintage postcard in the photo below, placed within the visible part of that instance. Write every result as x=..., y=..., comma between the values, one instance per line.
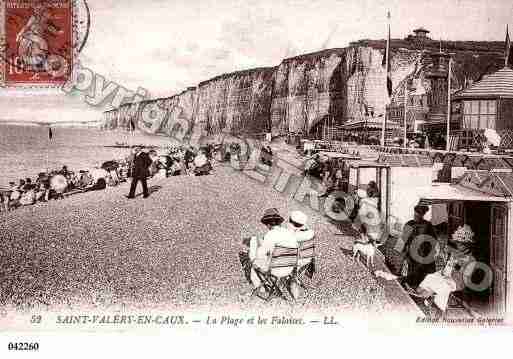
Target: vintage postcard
x=290, y=167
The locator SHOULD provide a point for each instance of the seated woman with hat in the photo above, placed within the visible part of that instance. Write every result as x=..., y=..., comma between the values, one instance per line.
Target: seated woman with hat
x=15, y=195
x=456, y=273
x=5, y=195
x=201, y=164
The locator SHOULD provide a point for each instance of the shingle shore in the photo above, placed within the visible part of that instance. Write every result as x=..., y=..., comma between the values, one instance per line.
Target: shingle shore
x=176, y=250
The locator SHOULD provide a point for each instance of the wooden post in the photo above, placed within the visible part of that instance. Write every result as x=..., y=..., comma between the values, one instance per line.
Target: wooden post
x=508, y=267
x=387, y=54
x=387, y=197
x=405, y=112
x=379, y=182
x=448, y=131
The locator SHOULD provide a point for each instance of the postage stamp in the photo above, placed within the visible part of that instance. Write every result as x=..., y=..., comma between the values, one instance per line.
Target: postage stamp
x=37, y=42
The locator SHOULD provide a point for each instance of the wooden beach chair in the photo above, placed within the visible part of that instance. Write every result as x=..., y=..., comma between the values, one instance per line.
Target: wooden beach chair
x=306, y=261
x=281, y=270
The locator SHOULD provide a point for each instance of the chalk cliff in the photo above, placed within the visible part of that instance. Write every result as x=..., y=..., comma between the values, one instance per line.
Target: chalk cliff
x=331, y=86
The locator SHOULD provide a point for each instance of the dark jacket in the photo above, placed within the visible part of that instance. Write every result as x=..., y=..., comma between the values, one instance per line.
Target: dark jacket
x=141, y=165
x=417, y=271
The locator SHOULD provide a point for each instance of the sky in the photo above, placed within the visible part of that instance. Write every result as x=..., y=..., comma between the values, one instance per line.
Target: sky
x=165, y=46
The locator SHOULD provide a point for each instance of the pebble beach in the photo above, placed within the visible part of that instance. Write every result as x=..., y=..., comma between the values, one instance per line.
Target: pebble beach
x=176, y=250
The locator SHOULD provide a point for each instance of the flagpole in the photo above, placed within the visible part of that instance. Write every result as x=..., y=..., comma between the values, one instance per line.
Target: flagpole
x=508, y=47
x=387, y=56
x=447, y=142
x=405, y=111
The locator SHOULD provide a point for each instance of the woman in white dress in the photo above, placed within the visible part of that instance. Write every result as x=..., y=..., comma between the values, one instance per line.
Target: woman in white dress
x=456, y=273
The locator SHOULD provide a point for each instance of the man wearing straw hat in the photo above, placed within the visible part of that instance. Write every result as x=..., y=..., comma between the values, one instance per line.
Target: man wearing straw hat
x=298, y=224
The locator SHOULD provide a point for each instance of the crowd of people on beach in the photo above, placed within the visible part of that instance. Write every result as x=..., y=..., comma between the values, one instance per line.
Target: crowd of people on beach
x=57, y=184
x=45, y=187
x=333, y=174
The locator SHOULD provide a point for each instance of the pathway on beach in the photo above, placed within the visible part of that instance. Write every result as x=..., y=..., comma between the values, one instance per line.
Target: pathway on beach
x=177, y=249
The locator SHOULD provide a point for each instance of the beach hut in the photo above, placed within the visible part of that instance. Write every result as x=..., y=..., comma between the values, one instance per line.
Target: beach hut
x=360, y=173
x=484, y=201
x=487, y=104
x=402, y=179
x=399, y=179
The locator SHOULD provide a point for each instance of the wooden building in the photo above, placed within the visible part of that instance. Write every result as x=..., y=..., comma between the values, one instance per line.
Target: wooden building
x=488, y=104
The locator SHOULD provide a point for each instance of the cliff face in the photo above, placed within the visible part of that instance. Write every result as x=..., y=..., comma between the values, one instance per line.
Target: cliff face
x=309, y=89
x=236, y=103
x=331, y=87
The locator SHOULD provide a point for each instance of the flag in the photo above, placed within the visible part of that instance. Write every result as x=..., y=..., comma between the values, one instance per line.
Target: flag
x=386, y=62
x=50, y=134
x=507, y=48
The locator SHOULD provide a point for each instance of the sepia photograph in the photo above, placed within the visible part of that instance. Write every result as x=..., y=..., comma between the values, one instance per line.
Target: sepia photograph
x=200, y=166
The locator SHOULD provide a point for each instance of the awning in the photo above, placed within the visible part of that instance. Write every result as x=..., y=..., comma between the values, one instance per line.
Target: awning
x=447, y=193
x=339, y=155
x=367, y=164
x=370, y=124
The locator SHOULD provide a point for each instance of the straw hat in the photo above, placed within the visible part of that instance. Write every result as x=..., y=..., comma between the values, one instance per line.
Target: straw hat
x=464, y=234
x=298, y=217
x=271, y=214
x=361, y=193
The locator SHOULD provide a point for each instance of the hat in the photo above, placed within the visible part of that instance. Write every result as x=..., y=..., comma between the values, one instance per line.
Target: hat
x=271, y=214
x=361, y=193
x=298, y=217
x=421, y=209
x=463, y=234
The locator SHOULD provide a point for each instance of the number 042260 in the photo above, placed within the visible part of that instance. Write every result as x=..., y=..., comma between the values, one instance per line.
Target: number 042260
x=23, y=346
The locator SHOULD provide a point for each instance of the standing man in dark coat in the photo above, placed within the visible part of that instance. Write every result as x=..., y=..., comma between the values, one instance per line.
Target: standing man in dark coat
x=140, y=172
x=189, y=157
x=417, y=249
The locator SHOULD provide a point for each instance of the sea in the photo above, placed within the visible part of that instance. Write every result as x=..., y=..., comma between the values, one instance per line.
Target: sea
x=26, y=150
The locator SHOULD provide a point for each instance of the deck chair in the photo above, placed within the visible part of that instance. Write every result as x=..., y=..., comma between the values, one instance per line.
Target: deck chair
x=306, y=261
x=281, y=270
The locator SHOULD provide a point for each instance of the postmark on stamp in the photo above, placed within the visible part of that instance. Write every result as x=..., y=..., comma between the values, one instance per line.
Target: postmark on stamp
x=38, y=42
